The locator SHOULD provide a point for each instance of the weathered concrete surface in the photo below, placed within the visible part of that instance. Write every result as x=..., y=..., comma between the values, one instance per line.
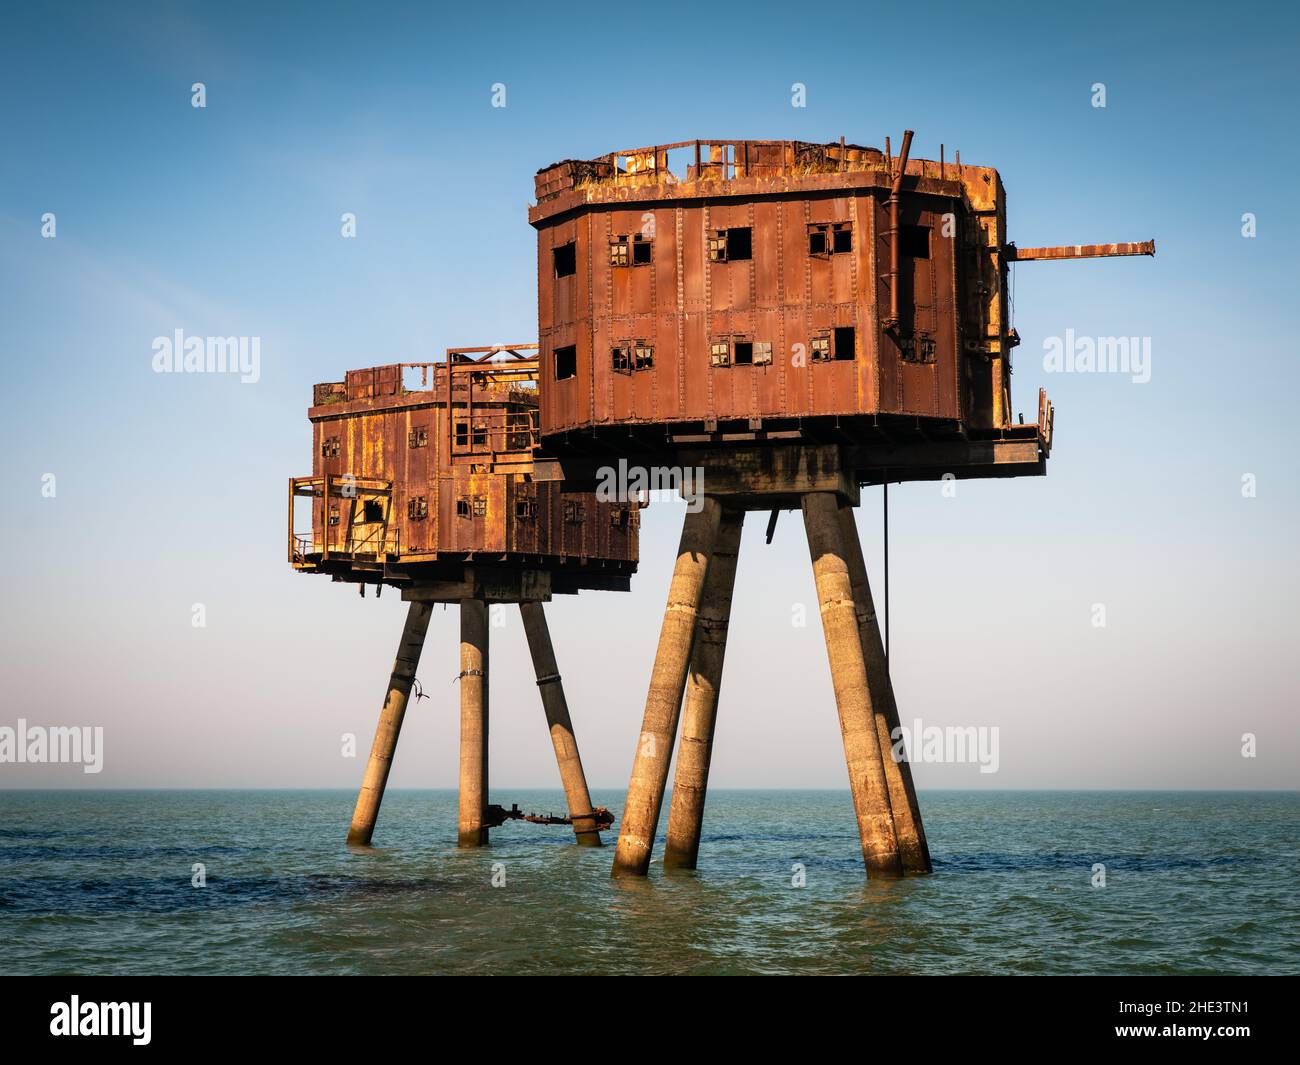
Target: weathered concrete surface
x=912, y=846
x=559, y=723
x=471, y=831
x=700, y=710
x=654, y=751
x=390, y=724
x=852, y=693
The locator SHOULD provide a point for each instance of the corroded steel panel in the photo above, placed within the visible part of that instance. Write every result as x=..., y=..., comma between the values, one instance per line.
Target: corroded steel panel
x=438, y=471
x=788, y=291
x=765, y=269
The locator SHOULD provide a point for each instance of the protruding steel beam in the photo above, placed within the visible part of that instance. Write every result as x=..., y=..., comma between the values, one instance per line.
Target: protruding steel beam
x=1080, y=251
x=560, y=725
x=852, y=692
x=700, y=709
x=645, y=794
x=913, y=849
x=471, y=827
x=390, y=724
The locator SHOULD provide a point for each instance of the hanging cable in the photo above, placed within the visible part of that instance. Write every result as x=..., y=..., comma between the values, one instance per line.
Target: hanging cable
x=885, y=493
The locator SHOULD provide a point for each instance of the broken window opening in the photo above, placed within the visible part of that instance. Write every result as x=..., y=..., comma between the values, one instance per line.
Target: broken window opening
x=730, y=245
x=821, y=349
x=566, y=362
x=525, y=509
x=645, y=356
x=720, y=353
x=618, y=251
x=478, y=438
x=830, y=238
x=619, y=518
x=417, y=508
x=763, y=353
x=462, y=507
x=334, y=515
x=566, y=259
x=480, y=506
x=572, y=512
x=918, y=349
x=620, y=359
x=329, y=447
x=418, y=437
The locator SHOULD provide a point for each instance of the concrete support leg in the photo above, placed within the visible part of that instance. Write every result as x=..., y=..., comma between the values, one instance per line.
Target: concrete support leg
x=390, y=724
x=852, y=694
x=700, y=708
x=558, y=722
x=645, y=794
x=470, y=828
x=912, y=847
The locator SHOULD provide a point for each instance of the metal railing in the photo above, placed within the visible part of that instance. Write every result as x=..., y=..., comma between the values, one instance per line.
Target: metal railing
x=346, y=537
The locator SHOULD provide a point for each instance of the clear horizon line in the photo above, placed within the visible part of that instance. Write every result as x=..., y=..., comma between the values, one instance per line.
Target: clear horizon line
x=554, y=787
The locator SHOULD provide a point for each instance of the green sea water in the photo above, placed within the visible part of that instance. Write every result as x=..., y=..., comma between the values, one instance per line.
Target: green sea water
x=103, y=883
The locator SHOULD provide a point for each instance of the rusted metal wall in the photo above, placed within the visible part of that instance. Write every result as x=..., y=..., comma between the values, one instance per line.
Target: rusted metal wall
x=442, y=503
x=786, y=299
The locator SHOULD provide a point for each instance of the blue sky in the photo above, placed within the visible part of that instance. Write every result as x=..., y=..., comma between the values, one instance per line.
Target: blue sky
x=225, y=221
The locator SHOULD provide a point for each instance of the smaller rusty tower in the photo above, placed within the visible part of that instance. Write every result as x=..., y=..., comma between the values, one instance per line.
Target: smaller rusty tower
x=423, y=479
x=795, y=320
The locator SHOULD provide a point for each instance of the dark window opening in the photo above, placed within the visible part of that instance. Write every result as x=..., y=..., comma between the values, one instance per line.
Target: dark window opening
x=525, y=509
x=844, y=342
x=740, y=244
x=479, y=436
x=334, y=515
x=919, y=348
x=731, y=244
x=462, y=508
x=566, y=259
x=566, y=362
x=642, y=251
x=821, y=349
x=417, y=508
x=371, y=511
x=462, y=434
x=620, y=360
x=830, y=238
x=418, y=438
x=743, y=353
x=914, y=242
x=619, y=518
